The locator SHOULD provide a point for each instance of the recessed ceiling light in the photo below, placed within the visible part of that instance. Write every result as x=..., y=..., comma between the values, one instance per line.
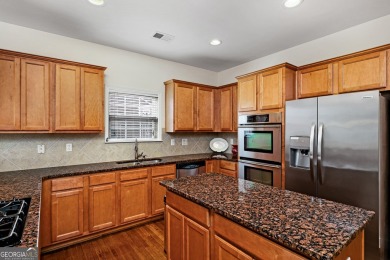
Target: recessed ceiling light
x=215, y=42
x=97, y=2
x=292, y=3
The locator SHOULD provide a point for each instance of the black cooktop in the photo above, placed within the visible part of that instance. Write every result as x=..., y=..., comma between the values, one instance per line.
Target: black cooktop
x=13, y=215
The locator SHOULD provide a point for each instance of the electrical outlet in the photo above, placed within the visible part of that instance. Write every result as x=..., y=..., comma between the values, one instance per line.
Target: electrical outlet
x=173, y=142
x=69, y=147
x=184, y=141
x=231, y=141
x=41, y=148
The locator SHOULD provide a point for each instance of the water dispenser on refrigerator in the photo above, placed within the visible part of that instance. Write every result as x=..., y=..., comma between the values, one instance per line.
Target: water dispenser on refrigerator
x=299, y=152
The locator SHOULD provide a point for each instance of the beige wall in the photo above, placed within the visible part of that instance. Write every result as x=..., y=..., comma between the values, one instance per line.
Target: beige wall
x=364, y=36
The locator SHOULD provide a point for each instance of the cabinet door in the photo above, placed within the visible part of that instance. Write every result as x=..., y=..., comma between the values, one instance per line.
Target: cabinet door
x=101, y=207
x=196, y=241
x=9, y=93
x=66, y=214
x=92, y=99
x=205, y=109
x=226, y=251
x=247, y=94
x=158, y=193
x=227, y=111
x=315, y=81
x=228, y=172
x=35, y=98
x=363, y=73
x=175, y=234
x=67, y=115
x=133, y=200
x=185, y=107
x=235, y=112
x=271, y=86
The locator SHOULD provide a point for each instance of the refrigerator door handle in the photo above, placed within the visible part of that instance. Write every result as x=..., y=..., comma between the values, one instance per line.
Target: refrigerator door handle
x=320, y=137
x=311, y=150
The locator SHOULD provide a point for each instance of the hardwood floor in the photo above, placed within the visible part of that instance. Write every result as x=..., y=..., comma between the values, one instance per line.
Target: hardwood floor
x=144, y=242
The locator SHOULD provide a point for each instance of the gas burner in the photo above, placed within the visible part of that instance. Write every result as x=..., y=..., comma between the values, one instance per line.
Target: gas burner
x=13, y=216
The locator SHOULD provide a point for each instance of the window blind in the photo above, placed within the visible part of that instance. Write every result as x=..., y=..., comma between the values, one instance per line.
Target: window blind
x=132, y=115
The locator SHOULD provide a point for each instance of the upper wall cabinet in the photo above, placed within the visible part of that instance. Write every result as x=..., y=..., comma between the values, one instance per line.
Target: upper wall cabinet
x=79, y=98
x=9, y=93
x=45, y=95
x=315, y=81
x=274, y=86
x=247, y=94
x=363, y=72
x=199, y=108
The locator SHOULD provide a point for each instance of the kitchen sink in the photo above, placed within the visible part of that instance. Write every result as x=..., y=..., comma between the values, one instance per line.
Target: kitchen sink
x=140, y=162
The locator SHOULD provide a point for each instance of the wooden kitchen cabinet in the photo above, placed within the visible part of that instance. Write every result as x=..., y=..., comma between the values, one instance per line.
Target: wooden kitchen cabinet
x=67, y=208
x=188, y=235
x=134, y=195
x=205, y=109
x=35, y=95
x=196, y=241
x=92, y=99
x=160, y=173
x=364, y=72
x=247, y=94
x=102, y=201
x=46, y=95
x=228, y=109
x=224, y=250
x=315, y=81
x=271, y=89
x=79, y=98
x=228, y=168
x=184, y=107
x=9, y=93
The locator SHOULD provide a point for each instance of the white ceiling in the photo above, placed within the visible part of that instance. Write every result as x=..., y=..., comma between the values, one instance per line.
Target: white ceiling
x=249, y=29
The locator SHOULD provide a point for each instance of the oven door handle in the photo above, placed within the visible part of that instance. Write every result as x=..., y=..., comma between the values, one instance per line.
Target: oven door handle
x=260, y=164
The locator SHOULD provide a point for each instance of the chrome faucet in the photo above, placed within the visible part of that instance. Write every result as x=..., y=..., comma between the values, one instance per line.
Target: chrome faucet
x=138, y=156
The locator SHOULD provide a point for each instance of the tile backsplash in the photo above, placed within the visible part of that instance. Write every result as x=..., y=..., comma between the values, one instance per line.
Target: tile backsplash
x=19, y=151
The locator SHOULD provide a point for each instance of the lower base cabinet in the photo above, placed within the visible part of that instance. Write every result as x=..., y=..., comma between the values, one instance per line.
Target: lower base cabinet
x=81, y=207
x=186, y=238
x=223, y=250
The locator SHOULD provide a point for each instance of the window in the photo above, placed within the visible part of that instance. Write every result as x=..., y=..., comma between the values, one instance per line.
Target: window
x=132, y=115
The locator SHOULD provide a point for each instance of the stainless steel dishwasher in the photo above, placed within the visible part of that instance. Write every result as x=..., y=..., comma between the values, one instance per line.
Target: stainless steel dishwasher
x=190, y=169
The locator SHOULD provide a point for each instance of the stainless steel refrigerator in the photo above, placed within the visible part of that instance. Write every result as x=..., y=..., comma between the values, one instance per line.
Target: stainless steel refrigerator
x=336, y=149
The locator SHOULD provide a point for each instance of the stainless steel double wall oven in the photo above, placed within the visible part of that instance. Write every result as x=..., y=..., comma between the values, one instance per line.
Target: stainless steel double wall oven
x=260, y=148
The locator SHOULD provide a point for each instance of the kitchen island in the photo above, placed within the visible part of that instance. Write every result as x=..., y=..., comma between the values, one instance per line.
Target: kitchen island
x=216, y=216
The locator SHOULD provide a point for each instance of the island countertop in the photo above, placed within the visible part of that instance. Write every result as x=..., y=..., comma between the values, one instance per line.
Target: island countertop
x=313, y=227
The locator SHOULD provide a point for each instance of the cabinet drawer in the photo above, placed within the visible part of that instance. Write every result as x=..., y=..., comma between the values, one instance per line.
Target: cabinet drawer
x=189, y=208
x=228, y=172
x=103, y=178
x=227, y=165
x=133, y=174
x=67, y=183
x=256, y=245
x=164, y=170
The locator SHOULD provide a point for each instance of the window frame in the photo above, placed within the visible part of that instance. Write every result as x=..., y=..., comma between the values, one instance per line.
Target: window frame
x=137, y=92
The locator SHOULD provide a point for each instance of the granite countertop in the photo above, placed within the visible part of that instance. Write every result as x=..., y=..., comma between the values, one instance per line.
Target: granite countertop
x=313, y=227
x=27, y=183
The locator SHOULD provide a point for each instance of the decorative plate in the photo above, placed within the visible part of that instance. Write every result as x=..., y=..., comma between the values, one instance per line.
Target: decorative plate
x=219, y=145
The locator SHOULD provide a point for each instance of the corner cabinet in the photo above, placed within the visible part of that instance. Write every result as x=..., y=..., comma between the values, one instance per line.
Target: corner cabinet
x=46, y=95
x=192, y=107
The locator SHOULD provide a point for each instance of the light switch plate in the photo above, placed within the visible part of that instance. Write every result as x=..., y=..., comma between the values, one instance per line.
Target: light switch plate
x=184, y=141
x=173, y=142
